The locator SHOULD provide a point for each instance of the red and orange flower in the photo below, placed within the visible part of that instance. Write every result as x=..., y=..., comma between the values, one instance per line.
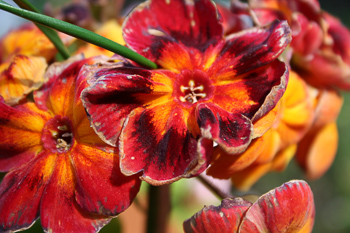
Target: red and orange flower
x=59, y=169
x=208, y=88
x=288, y=208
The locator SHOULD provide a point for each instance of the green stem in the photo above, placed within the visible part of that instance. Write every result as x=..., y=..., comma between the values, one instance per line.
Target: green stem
x=78, y=32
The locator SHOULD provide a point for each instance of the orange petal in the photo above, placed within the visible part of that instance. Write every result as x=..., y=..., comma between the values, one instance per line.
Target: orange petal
x=22, y=75
x=224, y=164
x=264, y=123
x=26, y=40
x=317, y=150
x=283, y=158
x=246, y=178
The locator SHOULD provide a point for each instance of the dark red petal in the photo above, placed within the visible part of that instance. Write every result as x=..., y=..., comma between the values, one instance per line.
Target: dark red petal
x=59, y=211
x=115, y=93
x=232, y=131
x=224, y=218
x=21, y=191
x=288, y=208
x=250, y=49
x=233, y=22
x=164, y=153
x=101, y=187
x=154, y=24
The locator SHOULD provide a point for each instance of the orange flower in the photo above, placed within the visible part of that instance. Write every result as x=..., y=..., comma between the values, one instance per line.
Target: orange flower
x=288, y=208
x=59, y=169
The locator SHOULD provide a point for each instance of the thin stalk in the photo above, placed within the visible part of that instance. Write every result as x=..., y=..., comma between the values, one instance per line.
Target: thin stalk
x=214, y=189
x=159, y=206
x=79, y=33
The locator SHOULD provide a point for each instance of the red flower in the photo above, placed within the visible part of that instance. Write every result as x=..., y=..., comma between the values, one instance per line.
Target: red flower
x=288, y=208
x=208, y=88
x=59, y=169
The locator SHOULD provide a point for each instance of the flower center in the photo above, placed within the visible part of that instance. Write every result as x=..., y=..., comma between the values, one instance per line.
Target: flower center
x=191, y=92
x=192, y=86
x=57, y=134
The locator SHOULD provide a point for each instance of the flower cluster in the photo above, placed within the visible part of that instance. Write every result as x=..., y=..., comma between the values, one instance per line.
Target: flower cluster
x=237, y=90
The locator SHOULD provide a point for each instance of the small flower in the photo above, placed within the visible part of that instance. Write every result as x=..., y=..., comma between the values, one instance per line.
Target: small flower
x=59, y=169
x=288, y=208
x=209, y=88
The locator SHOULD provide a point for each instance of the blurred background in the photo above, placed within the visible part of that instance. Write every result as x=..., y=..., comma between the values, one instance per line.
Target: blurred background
x=331, y=192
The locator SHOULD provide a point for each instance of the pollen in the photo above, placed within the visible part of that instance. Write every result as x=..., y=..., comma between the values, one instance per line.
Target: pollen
x=193, y=92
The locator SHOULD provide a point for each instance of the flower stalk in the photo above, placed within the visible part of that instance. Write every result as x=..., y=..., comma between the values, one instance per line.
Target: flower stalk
x=79, y=33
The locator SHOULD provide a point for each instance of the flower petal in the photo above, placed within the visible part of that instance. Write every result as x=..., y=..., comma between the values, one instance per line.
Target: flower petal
x=317, y=150
x=223, y=165
x=20, y=134
x=119, y=90
x=26, y=40
x=156, y=24
x=255, y=93
x=232, y=131
x=21, y=191
x=23, y=75
x=162, y=148
x=59, y=211
x=213, y=219
x=287, y=208
x=250, y=49
x=101, y=187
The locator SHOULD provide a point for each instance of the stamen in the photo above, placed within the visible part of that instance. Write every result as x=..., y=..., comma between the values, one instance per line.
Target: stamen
x=62, y=127
x=192, y=96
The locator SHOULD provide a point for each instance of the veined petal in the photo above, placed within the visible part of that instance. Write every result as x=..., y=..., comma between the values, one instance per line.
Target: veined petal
x=232, y=131
x=58, y=200
x=250, y=49
x=20, y=134
x=223, y=218
x=23, y=75
x=101, y=188
x=161, y=147
x=21, y=191
x=287, y=208
x=117, y=91
x=255, y=93
x=154, y=25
